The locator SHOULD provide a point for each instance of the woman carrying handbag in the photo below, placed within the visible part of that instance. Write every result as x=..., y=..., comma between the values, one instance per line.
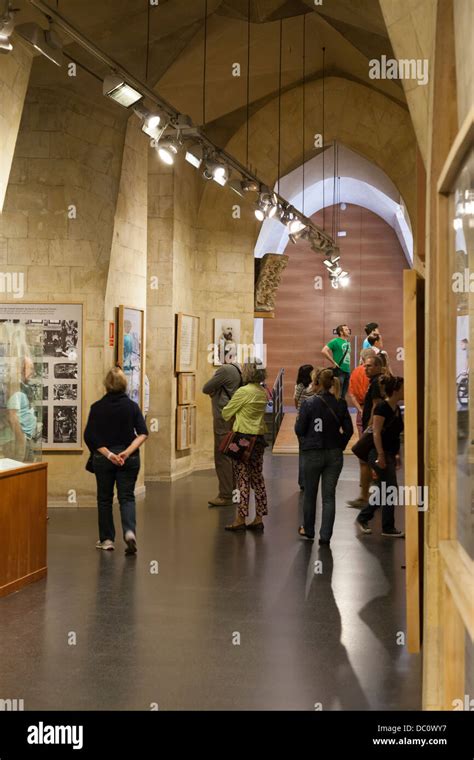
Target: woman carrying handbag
x=246, y=445
x=383, y=456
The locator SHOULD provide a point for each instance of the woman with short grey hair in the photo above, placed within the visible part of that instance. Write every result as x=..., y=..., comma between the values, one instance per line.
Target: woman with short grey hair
x=248, y=406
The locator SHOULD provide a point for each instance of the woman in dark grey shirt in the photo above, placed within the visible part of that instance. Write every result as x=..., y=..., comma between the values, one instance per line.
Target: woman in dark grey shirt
x=114, y=432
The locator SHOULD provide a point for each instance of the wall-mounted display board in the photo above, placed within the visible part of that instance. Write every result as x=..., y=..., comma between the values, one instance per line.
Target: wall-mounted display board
x=187, y=340
x=131, y=350
x=186, y=388
x=58, y=330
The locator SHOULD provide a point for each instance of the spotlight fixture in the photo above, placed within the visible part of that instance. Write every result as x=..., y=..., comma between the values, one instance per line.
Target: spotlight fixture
x=250, y=186
x=7, y=23
x=45, y=41
x=295, y=225
x=168, y=149
x=116, y=88
x=267, y=205
x=217, y=171
x=195, y=155
x=154, y=123
x=301, y=233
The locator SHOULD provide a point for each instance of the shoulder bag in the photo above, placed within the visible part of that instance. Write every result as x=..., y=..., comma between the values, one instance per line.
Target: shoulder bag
x=238, y=446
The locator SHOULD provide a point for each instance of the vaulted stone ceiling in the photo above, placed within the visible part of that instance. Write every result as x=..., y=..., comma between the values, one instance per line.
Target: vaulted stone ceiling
x=352, y=31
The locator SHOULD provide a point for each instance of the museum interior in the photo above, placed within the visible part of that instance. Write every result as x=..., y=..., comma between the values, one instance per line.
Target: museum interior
x=186, y=184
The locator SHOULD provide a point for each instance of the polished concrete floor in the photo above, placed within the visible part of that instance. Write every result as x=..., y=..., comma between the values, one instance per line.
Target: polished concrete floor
x=230, y=621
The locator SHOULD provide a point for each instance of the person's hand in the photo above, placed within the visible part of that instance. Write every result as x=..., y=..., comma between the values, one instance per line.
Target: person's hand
x=124, y=455
x=116, y=459
x=398, y=461
x=381, y=461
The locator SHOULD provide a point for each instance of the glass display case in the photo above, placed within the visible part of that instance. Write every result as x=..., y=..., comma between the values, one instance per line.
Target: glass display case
x=21, y=393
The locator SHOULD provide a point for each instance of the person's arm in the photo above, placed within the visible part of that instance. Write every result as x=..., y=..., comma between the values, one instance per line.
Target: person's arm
x=326, y=351
x=303, y=420
x=378, y=422
x=236, y=402
x=16, y=427
x=215, y=382
x=141, y=431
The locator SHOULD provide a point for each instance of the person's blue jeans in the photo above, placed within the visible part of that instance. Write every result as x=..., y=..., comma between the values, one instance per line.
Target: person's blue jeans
x=389, y=477
x=344, y=378
x=326, y=464
x=107, y=475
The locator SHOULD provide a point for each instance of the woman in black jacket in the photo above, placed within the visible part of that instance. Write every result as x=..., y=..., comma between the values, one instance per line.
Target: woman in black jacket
x=325, y=427
x=114, y=432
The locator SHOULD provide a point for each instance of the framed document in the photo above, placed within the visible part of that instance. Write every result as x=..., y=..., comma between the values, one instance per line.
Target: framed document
x=182, y=428
x=55, y=381
x=186, y=388
x=187, y=339
x=131, y=350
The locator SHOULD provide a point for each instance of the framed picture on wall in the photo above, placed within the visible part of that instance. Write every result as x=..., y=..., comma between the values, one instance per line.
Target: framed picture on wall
x=226, y=341
x=57, y=368
x=131, y=350
x=186, y=388
x=182, y=428
x=187, y=340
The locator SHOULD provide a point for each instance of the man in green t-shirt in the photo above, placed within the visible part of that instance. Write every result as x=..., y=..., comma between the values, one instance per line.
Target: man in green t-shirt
x=338, y=351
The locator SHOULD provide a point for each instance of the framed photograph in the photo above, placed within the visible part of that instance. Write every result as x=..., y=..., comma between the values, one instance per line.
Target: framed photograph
x=226, y=341
x=186, y=388
x=182, y=428
x=56, y=332
x=187, y=340
x=131, y=350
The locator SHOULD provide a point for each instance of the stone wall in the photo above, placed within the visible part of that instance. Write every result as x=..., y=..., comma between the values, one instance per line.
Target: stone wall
x=14, y=76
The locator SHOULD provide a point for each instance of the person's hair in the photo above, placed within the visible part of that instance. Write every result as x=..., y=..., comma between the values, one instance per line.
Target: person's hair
x=304, y=374
x=315, y=387
x=390, y=383
x=376, y=360
x=339, y=328
x=336, y=387
x=370, y=327
x=373, y=340
x=253, y=372
x=367, y=353
x=115, y=381
x=325, y=380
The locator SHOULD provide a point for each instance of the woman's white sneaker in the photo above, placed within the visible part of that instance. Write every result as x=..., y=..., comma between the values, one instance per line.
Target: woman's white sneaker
x=107, y=545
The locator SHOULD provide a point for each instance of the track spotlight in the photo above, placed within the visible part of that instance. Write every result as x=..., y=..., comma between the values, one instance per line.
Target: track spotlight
x=300, y=234
x=168, y=150
x=195, y=155
x=267, y=206
x=295, y=225
x=250, y=186
x=7, y=23
x=217, y=171
x=46, y=42
x=116, y=88
x=154, y=123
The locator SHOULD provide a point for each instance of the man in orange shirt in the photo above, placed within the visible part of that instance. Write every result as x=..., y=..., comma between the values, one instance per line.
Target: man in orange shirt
x=358, y=386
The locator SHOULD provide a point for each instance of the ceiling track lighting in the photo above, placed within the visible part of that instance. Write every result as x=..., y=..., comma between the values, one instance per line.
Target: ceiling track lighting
x=45, y=41
x=127, y=90
x=217, y=171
